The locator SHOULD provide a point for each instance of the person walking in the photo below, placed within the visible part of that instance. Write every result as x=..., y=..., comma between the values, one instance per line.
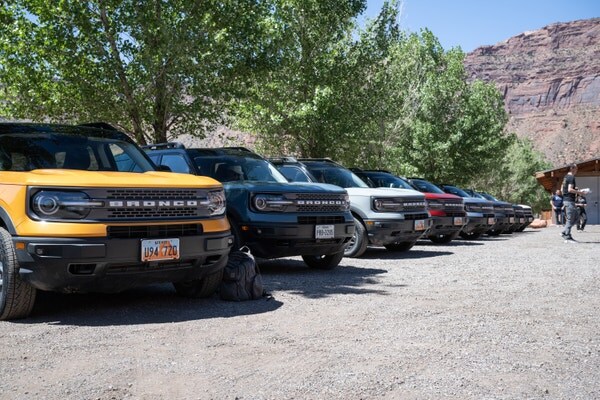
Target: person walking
x=556, y=201
x=581, y=203
x=569, y=193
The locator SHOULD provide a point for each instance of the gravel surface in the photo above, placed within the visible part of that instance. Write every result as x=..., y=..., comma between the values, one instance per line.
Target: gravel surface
x=509, y=317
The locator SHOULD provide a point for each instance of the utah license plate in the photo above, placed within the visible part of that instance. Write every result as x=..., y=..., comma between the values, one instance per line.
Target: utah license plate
x=420, y=225
x=324, y=231
x=491, y=221
x=458, y=221
x=160, y=249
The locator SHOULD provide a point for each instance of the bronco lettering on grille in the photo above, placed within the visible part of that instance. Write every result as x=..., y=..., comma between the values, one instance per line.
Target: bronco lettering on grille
x=153, y=203
x=320, y=202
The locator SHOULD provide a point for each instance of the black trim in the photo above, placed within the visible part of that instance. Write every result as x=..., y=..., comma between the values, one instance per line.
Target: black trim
x=7, y=222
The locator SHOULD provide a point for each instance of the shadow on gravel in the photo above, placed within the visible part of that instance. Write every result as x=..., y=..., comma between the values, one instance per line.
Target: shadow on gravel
x=380, y=253
x=146, y=305
x=294, y=277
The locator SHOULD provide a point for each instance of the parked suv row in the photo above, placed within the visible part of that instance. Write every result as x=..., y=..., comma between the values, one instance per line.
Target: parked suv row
x=391, y=217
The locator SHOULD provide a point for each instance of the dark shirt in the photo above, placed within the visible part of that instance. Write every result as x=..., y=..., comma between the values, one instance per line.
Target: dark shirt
x=581, y=202
x=569, y=179
x=557, y=201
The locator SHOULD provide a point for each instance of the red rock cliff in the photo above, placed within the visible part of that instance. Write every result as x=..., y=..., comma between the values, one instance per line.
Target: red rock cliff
x=550, y=79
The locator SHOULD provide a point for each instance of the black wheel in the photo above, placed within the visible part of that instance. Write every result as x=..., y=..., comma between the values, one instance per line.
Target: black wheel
x=441, y=239
x=470, y=236
x=358, y=244
x=16, y=297
x=402, y=246
x=329, y=261
x=200, y=288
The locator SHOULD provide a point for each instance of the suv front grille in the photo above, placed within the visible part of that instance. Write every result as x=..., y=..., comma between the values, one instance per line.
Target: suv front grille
x=135, y=194
x=153, y=231
x=321, y=220
x=126, y=213
x=416, y=216
x=316, y=202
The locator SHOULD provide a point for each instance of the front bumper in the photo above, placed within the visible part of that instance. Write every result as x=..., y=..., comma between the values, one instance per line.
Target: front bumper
x=478, y=223
x=446, y=225
x=286, y=240
x=113, y=265
x=382, y=232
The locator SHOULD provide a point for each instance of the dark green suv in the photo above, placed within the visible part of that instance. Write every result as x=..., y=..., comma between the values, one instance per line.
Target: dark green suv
x=271, y=216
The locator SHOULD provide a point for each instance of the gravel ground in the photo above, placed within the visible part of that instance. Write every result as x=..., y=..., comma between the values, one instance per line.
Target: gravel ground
x=509, y=317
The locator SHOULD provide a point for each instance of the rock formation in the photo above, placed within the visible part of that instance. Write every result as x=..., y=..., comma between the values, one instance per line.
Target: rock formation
x=550, y=79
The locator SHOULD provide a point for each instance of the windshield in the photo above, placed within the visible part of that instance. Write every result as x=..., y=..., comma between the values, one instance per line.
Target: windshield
x=426, y=186
x=388, y=180
x=295, y=174
x=26, y=151
x=489, y=197
x=332, y=174
x=456, y=191
x=230, y=168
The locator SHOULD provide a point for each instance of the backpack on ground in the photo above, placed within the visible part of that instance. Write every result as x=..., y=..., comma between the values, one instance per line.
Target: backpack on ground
x=241, y=277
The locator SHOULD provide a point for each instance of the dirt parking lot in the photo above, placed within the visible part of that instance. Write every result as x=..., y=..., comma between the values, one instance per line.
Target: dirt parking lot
x=509, y=317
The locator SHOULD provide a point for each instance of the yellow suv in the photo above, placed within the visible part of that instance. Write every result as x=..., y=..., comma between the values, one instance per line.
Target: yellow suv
x=83, y=209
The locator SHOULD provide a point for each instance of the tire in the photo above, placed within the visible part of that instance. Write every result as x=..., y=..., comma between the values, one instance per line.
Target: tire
x=16, y=296
x=329, y=261
x=402, y=246
x=237, y=236
x=200, y=288
x=441, y=239
x=470, y=236
x=359, y=241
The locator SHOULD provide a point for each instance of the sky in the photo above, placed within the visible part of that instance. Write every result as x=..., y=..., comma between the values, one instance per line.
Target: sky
x=473, y=23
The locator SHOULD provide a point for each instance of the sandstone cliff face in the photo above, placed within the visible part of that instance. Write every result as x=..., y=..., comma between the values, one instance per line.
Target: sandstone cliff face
x=550, y=79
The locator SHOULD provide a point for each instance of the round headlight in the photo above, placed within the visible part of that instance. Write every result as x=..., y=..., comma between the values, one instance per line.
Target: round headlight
x=46, y=204
x=260, y=202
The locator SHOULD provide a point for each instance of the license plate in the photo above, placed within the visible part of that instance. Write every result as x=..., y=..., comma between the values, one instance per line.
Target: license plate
x=458, y=221
x=511, y=220
x=521, y=220
x=160, y=249
x=324, y=231
x=420, y=225
x=491, y=221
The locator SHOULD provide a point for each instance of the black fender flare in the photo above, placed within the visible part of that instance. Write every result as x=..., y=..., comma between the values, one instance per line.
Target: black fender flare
x=6, y=222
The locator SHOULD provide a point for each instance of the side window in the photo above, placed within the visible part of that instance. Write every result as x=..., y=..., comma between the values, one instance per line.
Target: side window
x=155, y=158
x=124, y=162
x=176, y=162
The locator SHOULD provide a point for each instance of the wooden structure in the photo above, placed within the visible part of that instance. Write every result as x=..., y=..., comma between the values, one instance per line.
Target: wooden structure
x=588, y=176
x=552, y=178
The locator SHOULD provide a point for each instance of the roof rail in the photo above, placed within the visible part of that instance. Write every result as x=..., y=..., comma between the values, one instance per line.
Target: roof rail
x=161, y=146
x=283, y=159
x=241, y=148
x=99, y=125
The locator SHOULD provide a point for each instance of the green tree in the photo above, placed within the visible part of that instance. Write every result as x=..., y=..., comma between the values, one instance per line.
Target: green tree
x=155, y=68
x=298, y=107
x=514, y=179
x=446, y=128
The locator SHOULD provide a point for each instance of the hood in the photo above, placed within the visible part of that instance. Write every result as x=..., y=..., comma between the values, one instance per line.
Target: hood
x=385, y=192
x=441, y=196
x=283, y=187
x=77, y=178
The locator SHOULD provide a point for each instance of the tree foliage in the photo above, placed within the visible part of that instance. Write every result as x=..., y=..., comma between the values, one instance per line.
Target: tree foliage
x=151, y=67
x=514, y=179
x=298, y=106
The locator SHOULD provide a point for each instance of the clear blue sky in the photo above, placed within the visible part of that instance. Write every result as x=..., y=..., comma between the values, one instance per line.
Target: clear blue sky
x=473, y=23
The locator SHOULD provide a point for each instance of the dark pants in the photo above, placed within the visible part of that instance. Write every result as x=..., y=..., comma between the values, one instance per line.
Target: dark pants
x=572, y=217
x=582, y=220
x=558, y=214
